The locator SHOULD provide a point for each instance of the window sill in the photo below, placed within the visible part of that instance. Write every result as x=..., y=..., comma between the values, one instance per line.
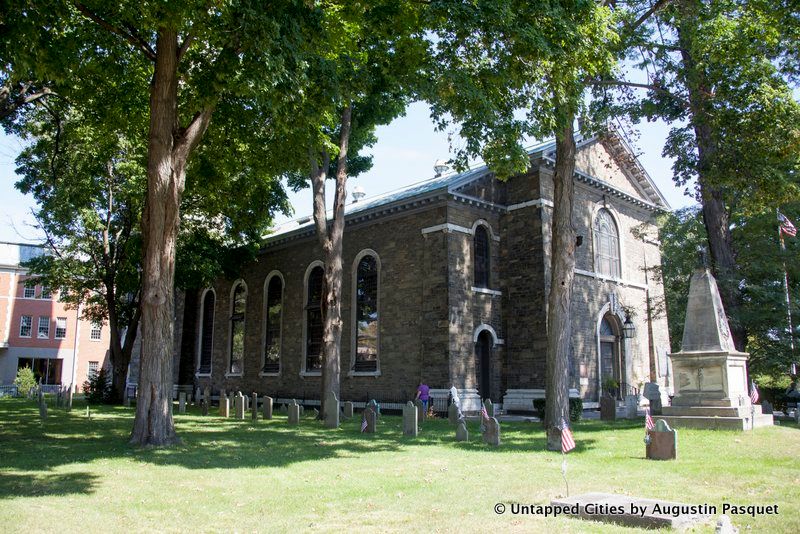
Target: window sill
x=487, y=291
x=203, y=375
x=376, y=374
x=234, y=375
x=262, y=374
x=310, y=373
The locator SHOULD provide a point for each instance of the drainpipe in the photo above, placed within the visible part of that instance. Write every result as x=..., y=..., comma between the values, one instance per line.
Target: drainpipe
x=75, y=349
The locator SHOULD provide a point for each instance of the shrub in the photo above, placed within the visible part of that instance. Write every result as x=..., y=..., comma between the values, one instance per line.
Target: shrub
x=98, y=388
x=25, y=381
x=575, y=408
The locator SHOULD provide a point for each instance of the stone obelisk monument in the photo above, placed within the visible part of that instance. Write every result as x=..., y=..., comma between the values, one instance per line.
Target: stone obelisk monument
x=710, y=374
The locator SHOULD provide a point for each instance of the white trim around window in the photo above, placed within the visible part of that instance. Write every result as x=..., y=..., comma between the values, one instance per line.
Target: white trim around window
x=265, y=314
x=354, y=314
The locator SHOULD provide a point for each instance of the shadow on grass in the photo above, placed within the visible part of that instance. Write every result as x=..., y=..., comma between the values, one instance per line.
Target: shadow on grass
x=211, y=442
x=13, y=485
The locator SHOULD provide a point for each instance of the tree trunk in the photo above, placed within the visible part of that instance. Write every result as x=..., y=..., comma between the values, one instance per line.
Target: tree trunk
x=715, y=214
x=562, y=271
x=188, y=337
x=153, y=424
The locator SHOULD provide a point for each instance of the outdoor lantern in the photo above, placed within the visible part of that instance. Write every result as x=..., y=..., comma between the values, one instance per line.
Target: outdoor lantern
x=628, y=330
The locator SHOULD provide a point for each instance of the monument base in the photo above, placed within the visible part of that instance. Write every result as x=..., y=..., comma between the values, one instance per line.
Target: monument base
x=716, y=417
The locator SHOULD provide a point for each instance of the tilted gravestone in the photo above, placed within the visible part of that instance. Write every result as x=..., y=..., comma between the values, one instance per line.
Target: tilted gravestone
x=452, y=414
x=224, y=405
x=331, y=410
x=662, y=443
x=371, y=417
x=766, y=407
x=348, y=409
x=410, y=414
x=421, y=410
x=254, y=407
x=267, y=407
x=608, y=408
x=182, y=402
x=239, y=406
x=294, y=413
x=653, y=394
x=491, y=434
x=489, y=407
x=462, y=434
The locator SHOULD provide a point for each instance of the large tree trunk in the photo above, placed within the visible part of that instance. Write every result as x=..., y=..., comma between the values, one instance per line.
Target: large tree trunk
x=715, y=213
x=562, y=271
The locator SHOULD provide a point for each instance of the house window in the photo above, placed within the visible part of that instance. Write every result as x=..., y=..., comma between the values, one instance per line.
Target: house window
x=92, y=371
x=96, y=332
x=45, y=370
x=366, y=310
x=481, y=256
x=61, y=327
x=46, y=293
x=25, y=325
x=314, y=328
x=206, y=333
x=44, y=327
x=238, y=305
x=29, y=292
x=272, y=328
x=606, y=245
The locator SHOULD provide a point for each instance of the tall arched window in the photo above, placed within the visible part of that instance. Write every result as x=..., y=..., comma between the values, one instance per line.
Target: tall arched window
x=273, y=316
x=314, y=320
x=238, y=305
x=206, y=333
x=481, y=256
x=606, y=245
x=366, y=315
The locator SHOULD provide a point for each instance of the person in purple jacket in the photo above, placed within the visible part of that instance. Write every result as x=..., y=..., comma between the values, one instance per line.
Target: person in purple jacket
x=423, y=394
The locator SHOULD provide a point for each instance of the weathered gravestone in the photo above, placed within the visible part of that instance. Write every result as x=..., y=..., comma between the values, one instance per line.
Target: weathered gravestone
x=608, y=408
x=302, y=410
x=283, y=408
x=254, y=407
x=207, y=395
x=461, y=430
x=491, y=433
x=182, y=402
x=224, y=405
x=238, y=404
x=204, y=407
x=420, y=411
x=331, y=410
x=348, y=409
x=631, y=405
x=267, y=407
x=42, y=405
x=766, y=407
x=294, y=413
x=662, y=443
x=653, y=394
x=370, y=415
x=198, y=395
x=489, y=406
x=69, y=398
x=410, y=415
x=453, y=413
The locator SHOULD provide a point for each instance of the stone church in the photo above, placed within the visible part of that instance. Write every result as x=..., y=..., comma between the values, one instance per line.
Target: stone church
x=446, y=282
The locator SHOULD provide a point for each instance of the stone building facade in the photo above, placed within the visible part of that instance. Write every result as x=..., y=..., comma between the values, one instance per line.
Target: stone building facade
x=446, y=282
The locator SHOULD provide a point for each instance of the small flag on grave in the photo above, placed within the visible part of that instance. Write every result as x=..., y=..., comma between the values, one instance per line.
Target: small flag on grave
x=753, y=392
x=364, y=422
x=567, y=441
x=649, y=424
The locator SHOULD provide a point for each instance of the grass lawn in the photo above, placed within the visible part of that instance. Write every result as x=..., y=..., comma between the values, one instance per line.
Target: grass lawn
x=71, y=473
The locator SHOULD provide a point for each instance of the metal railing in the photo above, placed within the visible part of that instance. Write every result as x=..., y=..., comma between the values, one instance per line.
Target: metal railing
x=9, y=391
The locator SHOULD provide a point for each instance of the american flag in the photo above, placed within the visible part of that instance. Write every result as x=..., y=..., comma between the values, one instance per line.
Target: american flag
x=648, y=421
x=567, y=442
x=753, y=392
x=786, y=225
x=364, y=423
x=484, y=413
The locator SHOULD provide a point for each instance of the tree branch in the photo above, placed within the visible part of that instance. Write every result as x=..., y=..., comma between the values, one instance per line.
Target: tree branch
x=646, y=15
x=185, y=45
x=650, y=87
x=9, y=105
x=190, y=136
x=131, y=35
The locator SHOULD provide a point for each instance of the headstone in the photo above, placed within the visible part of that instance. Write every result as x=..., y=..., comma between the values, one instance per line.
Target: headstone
x=182, y=402
x=331, y=410
x=631, y=405
x=254, y=406
x=207, y=396
x=489, y=407
x=491, y=434
x=238, y=404
x=608, y=408
x=766, y=407
x=348, y=409
x=371, y=417
x=420, y=411
x=42, y=405
x=461, y=430
x=724, y=526
x=224, y=405
x=302, y=410
x=662, y=443
x=126, y=399
x=197, y=397
x=375, y=407
x=410, y=415
x=653, y=394
x=294, y=413
x=283, y=408
x=452, y=414
x=69, y=398
x=204, y=407
x=267, y=407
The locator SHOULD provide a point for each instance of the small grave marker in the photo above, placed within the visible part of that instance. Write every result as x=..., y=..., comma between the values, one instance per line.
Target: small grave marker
x=410, y=415
x=182, y=402
x=462, y=434
x=238, y=404
x=421, y=415
x=348, y=409
x=662, y=443
x=331, y=410
x=267, y=408
x=254, y=405
x=294, y=413
x=491, y=435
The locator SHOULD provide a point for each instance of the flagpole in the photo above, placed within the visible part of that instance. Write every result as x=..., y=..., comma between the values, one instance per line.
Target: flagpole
x=564, y=469
x=786, y=289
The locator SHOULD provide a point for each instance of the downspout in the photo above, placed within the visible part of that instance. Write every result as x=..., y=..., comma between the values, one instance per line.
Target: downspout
x=75, y=349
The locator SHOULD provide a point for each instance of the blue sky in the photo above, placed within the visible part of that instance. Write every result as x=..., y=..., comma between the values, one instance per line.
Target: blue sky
x=405, y=154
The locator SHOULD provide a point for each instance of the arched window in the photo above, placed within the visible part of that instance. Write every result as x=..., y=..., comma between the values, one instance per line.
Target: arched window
x=606, y=245
x=273, y=315
x=238, y=305
x=314, y=320
x=481, y=256
x=206, y=333
x=366, y=315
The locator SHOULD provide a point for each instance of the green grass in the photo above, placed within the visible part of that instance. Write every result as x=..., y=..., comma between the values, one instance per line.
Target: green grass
x=70, y=473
